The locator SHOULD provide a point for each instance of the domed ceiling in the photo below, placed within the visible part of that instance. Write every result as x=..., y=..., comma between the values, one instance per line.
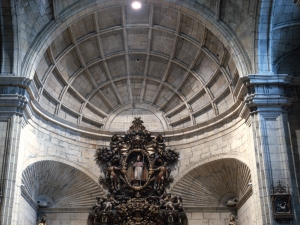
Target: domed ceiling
x=154, y=58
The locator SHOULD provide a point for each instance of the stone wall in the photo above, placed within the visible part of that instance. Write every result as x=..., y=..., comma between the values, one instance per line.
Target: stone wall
x=27, y=214
x=208, y=218
x=67, y=218
x=47, y=141
x=231, y=140
x=294, y=122
x=246, y=214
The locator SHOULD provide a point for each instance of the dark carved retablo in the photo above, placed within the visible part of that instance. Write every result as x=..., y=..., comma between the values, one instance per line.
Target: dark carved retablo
x=137, y=173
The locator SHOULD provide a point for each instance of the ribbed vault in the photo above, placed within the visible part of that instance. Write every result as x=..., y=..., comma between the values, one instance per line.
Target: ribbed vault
x=66, y=185
x=117, y=56
x=207, y=184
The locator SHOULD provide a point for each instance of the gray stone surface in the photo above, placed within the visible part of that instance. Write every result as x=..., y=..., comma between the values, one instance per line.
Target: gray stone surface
x=205, y=74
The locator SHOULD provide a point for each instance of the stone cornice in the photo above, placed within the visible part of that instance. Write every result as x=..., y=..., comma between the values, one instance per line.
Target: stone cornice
x=266, y=92
x=29, y=107
x=187, y=209
x=256, y=79
x=13, y=100
x=15, y=94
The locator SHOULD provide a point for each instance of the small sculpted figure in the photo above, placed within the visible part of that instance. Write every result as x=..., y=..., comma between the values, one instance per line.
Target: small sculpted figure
x=162, y=174
x=111, y=174
x=232, y=220
x=99, y=204
x=169, y=202
x=42, y=220
x=109, y=203
x=178, y=203
x=138, y=170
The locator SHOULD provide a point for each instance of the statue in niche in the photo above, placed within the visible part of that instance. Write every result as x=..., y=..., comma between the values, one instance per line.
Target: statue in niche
x=138, y=169
x=232, y=220
x=111, y=175
x=42, y=220
x=137, y=172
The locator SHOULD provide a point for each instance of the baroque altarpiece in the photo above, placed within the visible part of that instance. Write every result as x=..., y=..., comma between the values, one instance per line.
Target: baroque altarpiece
x=137, y=170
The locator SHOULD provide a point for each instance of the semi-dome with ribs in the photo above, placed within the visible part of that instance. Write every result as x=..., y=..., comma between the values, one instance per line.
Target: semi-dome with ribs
x=158, y=62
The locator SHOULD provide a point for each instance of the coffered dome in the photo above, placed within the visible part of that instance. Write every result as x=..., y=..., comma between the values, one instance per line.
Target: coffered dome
x=157, y=62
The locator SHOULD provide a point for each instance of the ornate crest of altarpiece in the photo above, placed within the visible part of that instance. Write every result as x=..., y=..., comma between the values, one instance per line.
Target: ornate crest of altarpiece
x=137, y=173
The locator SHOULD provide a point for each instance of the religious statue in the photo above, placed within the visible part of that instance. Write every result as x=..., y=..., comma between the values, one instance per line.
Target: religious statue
x=138, y=172
x=162, y=174
x=109, y=202
x=138, y=168
x=169, y=202
x=232, y=220
x=111, y=174
x=42, y=220
x=99, y=204
x=178, y=203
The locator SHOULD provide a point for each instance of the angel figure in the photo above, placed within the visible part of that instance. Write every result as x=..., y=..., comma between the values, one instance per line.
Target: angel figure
x=111, y=174
x=162, y=174
x=178, y=203
x=169, y=202
x=109, y=203
x=98, y=206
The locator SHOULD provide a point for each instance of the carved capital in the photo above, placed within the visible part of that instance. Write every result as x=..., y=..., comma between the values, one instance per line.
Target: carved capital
x=267, y=92
x=297, y=2
x=14, y=101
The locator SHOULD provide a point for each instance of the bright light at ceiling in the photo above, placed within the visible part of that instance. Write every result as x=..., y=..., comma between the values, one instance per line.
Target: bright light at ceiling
x=136, y=5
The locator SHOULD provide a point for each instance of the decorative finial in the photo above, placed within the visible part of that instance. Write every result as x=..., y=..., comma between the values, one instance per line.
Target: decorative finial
x=137, y=124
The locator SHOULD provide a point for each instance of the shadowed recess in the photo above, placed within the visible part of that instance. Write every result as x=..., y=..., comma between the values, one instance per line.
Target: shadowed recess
x=66, y=185
x=207, y=184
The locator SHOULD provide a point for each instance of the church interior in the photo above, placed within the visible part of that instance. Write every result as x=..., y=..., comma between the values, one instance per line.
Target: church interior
x=218, y=80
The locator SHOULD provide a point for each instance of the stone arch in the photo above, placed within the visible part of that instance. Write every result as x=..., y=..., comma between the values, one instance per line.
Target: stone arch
x=263, y=18
x=213, y=181
x=61, y=160
x=194, y=165
x=66, y=185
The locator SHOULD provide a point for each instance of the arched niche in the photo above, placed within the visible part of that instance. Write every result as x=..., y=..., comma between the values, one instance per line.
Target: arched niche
x=63, y=185
x=213, y=183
